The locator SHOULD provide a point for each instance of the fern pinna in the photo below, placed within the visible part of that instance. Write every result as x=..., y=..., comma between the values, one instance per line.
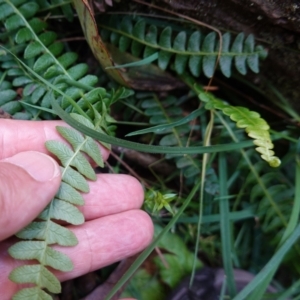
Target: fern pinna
x=191, y=51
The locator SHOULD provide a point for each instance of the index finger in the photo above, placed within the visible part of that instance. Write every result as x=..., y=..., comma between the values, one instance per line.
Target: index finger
x=18, y=136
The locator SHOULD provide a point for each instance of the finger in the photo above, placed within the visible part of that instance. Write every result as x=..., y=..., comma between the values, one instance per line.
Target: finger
x=111, y=194
x=28, y=182
x=18, y=136
x=101, y=243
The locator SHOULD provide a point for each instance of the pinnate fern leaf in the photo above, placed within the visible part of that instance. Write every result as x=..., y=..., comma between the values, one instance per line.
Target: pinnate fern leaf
x=256, y=127
x=40, y=235
x=45, y=55
x=194, y=52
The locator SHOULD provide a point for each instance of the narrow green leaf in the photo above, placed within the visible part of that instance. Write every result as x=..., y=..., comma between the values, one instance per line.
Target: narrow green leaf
x=142, y=62
x=141, y=258
x=270, y=267
x=225, y=226
x=33, y=293
x=38, y=275
x=141, y=147
x=161, y=128
x=75, y=179
x=49, y=231
x=209, y=59
x=61, y=210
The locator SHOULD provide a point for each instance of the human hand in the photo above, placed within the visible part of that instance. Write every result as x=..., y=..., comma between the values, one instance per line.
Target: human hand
x=115, y=228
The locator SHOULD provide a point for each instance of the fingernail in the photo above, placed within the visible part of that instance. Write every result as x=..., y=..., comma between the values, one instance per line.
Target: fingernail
x=38, y=165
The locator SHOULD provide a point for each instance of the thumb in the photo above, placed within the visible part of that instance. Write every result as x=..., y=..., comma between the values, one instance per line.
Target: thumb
x=28, y=181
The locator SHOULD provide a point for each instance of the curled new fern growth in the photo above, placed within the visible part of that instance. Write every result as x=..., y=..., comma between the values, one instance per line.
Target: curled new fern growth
x=189, y=50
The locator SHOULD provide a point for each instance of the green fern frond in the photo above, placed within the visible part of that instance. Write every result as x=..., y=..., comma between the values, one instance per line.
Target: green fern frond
x=192, y=51
x=256, y=127
x=45, y=56
x=46, y=232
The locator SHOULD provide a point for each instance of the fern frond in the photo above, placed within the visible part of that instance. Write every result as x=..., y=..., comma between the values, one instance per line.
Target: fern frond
x=44, y=54
x=46, y=232
x=192, y=51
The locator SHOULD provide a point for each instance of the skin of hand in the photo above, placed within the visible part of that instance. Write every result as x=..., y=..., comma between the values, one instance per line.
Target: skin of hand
x=115, y=227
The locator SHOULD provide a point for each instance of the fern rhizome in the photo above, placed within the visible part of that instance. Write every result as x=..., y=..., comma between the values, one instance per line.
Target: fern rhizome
x=32, y=59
